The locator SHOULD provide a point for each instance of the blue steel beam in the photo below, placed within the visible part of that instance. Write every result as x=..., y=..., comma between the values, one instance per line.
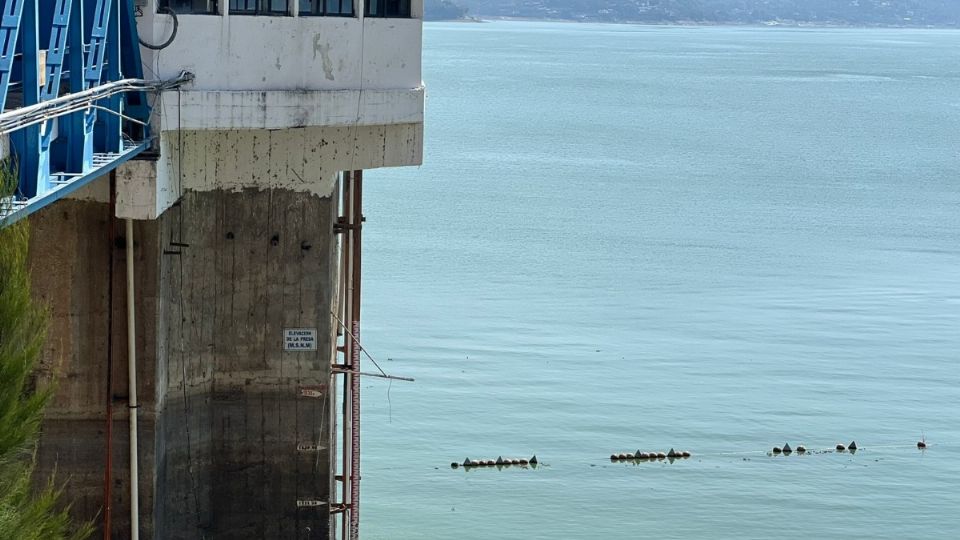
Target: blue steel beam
x=93, y=71
x=64, y=185
x=88, y=52
x=108, y=136
x=9, y=31
x=57, y=50
x=26, y=142
x=131, y=65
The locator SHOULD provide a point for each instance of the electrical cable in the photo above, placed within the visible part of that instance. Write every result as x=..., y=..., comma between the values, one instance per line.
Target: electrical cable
x=176, y=26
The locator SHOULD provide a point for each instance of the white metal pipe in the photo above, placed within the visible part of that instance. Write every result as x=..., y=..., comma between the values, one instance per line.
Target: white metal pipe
x=132, y=391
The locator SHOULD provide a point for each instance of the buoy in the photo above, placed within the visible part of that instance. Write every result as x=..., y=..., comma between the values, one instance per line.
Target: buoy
x=672, y=453
x=852, y=446
x=661, y=455
x=777, y=450
x=521, y=462
x=467, y=462
x=642, y=455
x=454, y=465
x=624, y=456
x=801, y=449
x=614, y=457
x=787, y=449
x=921, y=445
x=841, y=448
x=499, y=460
x=491, y=463
x=685, y=454
x=533, y=460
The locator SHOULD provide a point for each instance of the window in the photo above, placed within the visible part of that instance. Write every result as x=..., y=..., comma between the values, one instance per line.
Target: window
x=397, y=9
x=258, y=7
x=188, y=7
x=330, y=8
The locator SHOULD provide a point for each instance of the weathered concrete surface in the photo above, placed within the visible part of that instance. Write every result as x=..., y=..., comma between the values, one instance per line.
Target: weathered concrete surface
x=302, y=159
x=254, y=263
x=71, y=255
x=219, y=277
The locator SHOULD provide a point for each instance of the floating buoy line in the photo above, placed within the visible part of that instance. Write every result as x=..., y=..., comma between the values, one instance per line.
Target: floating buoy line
x=650, y=456
x=674, y=455
x=499, y=462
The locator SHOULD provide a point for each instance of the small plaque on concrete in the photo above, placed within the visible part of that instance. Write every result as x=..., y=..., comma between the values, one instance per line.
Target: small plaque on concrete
x=312, y=391
x=309, y=503
x=299, y=339
x=308, y=448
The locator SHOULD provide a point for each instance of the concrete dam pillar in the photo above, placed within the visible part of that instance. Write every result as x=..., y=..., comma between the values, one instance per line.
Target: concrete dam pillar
x=238, y=443
x=236, y=263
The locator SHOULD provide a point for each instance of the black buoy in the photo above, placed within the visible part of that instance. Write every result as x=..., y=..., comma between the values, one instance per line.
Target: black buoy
x=777, y=450
x=499, y=460
x=841, y=448
x=672, y=453
x=787, y=449
x=518, y=461
x=685, y=454
x=921, y=444
x=852, y=446
x=614, y=457
x=801, y=449
x=533, y=460
x=661, y=455
x=642, y=455
x=454, y=465
x=491, y=463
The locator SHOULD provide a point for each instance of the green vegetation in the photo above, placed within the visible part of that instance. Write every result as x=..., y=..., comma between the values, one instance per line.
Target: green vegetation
x=826, y=12
x=24, y=514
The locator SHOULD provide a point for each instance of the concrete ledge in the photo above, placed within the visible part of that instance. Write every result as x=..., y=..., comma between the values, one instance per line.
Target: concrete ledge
x=296, y=159
x=282, y=109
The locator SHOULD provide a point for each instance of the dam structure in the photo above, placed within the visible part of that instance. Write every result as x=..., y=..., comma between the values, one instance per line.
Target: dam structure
x=192, y=175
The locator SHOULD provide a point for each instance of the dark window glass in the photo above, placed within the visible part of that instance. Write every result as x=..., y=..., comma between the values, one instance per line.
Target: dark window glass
x=397, y=9
x=330, y=8
x=258, y=7
x=197, y=7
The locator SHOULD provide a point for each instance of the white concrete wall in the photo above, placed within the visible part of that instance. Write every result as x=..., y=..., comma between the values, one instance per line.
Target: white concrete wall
x=277, y=102
x=280, y=109
x=242, y=52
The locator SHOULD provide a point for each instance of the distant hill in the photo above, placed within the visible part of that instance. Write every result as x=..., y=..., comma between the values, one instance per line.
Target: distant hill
x=839, y=12
x=443, y=10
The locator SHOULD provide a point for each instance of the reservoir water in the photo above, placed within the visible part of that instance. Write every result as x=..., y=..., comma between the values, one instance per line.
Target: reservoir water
x=712, y=239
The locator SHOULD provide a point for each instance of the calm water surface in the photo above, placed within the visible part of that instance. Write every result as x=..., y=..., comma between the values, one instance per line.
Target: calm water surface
x=715, y=239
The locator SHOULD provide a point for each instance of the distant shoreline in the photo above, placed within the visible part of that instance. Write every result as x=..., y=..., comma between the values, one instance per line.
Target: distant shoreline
x=694, y=24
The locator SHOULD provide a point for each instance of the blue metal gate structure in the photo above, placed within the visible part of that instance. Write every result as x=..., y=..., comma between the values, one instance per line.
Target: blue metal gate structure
x=77, y=108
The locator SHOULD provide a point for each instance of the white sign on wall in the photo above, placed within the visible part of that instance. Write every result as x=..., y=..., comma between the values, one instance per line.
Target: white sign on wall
x=312, y=391
x=299, y=339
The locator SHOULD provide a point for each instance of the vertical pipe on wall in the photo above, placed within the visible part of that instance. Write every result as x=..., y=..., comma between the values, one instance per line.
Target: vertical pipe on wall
x=356, y=226
x=132, y=390
x=347, y=347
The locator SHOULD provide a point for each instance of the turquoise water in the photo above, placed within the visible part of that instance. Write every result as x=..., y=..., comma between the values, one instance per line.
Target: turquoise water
x=714, y=239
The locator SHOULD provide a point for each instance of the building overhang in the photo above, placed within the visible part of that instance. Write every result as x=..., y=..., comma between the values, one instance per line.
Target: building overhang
x=284, y=109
